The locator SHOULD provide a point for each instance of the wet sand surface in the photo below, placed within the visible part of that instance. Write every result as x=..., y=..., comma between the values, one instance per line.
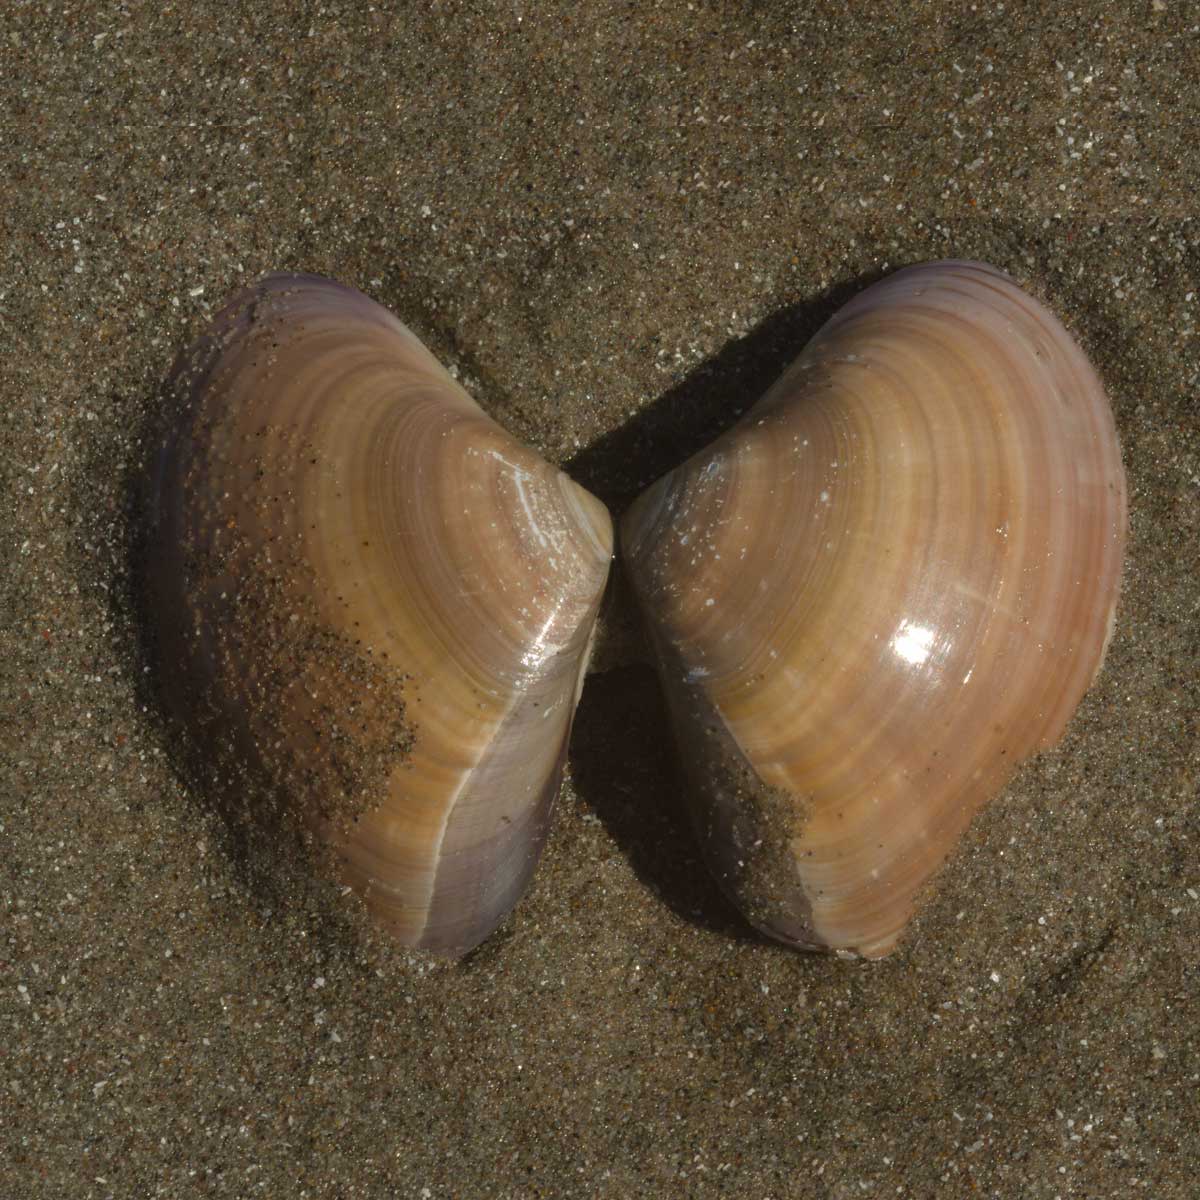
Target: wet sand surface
x=617, y=223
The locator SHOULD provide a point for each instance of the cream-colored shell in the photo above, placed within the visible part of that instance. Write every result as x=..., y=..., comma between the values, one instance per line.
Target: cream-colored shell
x=373, y=606
x=879, y=593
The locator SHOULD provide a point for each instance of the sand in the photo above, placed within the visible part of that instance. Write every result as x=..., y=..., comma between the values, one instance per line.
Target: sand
x=617, y=223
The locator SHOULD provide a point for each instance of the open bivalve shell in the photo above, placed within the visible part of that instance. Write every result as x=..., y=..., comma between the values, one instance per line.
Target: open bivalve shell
x=879, y=593
x=372, y=606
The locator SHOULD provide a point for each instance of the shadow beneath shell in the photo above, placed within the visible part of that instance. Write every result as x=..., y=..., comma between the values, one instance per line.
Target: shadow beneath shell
x=623, y=767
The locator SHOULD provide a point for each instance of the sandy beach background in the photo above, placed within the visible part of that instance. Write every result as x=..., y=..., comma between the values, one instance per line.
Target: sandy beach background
x=617, y=222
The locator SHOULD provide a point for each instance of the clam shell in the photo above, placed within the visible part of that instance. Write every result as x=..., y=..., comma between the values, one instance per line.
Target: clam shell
x=879, y=593
x=372, y=606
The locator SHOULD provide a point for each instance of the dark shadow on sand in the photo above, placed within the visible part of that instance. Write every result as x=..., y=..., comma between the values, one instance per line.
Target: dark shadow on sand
x=623, y=766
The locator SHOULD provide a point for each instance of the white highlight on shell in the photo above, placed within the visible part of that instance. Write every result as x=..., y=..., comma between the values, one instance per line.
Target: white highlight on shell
x=913, y=643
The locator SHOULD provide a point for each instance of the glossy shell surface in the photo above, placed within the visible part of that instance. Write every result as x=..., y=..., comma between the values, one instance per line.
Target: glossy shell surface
x=372, y=606
x=879, y=593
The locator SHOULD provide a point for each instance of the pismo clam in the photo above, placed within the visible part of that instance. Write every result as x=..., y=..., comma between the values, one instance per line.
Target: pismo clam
x=879, y=593
x=372, y=607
